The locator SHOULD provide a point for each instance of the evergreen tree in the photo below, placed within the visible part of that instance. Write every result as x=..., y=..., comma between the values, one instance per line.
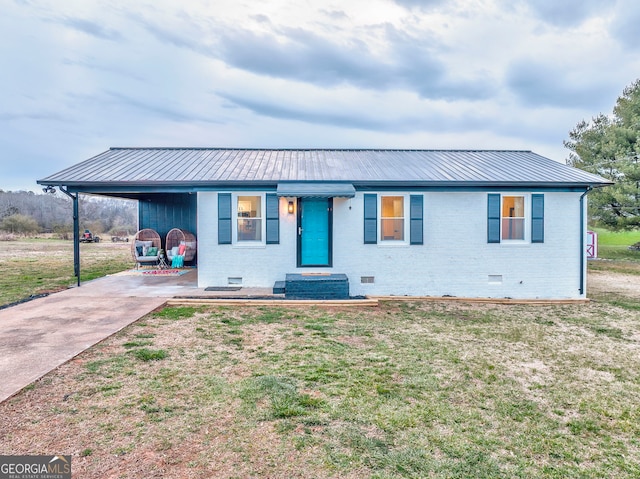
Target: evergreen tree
x=609, y=146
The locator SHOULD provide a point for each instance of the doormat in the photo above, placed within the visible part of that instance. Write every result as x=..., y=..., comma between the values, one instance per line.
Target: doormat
x=165, y=272
x=152, y=272
x=223, y=288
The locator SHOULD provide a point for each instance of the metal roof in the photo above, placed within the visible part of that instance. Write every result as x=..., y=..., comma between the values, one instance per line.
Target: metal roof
x=147, y=168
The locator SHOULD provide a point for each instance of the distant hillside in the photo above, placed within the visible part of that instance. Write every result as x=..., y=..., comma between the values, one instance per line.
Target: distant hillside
x=54, y=212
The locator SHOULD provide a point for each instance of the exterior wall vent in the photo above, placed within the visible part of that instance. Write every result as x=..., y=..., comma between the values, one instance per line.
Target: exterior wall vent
x=234, y=280
x=495, y=279
x=367, y=279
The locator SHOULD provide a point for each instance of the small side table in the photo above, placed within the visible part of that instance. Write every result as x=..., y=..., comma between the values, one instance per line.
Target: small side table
x=162, y=261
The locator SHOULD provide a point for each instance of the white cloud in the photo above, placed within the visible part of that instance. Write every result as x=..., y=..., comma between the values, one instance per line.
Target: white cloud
x=566, y=13
x=624, y=26
x=90, y=74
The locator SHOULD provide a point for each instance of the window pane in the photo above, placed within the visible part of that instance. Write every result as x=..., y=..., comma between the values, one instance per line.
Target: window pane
x=249, y=207
x=392, y=229
x=392, y=207
x=513, y=207
x=512, y=228
x=249, y=218
x=249, y=230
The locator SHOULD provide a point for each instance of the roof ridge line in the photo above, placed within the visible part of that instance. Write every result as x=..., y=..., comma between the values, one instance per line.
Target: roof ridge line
x=311, y=149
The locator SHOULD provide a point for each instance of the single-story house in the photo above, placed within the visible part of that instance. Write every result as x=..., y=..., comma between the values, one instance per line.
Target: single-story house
x=459, y=223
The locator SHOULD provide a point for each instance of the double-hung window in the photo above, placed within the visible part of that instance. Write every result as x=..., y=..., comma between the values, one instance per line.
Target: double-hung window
x=515, y=218
x=512, y=218
x=249, y=218
x=392, y=220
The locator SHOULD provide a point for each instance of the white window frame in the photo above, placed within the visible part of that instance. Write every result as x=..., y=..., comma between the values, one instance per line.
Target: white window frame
x=405, y=210
x=263, y=223
x=526, y=218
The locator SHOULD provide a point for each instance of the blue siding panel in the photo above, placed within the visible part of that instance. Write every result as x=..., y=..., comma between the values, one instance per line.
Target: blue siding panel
x=164, y=212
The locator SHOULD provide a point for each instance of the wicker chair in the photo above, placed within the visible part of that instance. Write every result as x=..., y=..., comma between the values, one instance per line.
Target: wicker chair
x=142, y=241
x=177, y=237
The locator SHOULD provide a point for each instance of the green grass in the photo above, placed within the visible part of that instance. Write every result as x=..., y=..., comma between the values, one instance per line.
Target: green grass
x=179, y=312
x=613, y=248
x=145, y=354
x=617, y=238
x=35, y=266
x=406, y=390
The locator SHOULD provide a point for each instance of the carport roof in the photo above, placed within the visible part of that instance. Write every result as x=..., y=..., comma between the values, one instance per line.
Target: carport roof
x=191, y=169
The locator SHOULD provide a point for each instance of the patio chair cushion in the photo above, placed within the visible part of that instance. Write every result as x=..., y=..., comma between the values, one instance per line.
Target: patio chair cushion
x=177, y=262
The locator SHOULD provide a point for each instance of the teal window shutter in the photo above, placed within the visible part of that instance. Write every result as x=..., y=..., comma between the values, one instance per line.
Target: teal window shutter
x=493, y=218
x=537, y=218
x=370, y=219
x=273, y=219
x=415, y=219
x=224, y=218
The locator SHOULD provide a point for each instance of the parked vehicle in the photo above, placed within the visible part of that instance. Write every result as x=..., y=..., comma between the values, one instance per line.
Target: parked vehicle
x=120, y=237
x=88, y=237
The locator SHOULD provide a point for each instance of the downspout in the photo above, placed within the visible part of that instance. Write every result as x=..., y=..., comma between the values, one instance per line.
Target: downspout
x=76, y=234
x=582, y=245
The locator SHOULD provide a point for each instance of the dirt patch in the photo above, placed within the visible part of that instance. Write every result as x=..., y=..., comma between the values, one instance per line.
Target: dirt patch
x=604, y=282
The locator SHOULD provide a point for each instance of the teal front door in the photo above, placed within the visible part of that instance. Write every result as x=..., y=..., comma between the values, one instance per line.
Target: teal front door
x=314, y=231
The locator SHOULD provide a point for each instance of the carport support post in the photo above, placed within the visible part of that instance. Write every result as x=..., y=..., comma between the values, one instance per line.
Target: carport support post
x=76, y=239
x=76, y=234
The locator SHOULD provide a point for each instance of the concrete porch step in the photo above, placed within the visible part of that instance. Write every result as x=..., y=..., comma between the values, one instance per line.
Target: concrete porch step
x=279, y=287
x=315, y=286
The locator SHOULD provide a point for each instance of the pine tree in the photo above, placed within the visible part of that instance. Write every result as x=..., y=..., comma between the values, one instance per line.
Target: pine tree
x=609, y=146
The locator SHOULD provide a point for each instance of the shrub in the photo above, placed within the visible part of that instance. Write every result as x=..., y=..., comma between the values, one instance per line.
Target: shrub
x=19, y=224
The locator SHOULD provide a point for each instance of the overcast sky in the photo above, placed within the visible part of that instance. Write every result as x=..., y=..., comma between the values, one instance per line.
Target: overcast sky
x=80, y=76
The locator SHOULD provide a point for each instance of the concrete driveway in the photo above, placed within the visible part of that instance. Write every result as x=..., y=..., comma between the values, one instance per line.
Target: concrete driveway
x=40, y=335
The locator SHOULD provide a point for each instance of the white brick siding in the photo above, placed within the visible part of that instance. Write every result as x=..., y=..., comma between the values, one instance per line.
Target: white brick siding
x=454, y=260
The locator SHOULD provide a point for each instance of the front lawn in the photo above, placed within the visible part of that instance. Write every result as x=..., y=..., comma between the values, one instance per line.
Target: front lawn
x=437, y=390
x=615, y=244
x=36, y=266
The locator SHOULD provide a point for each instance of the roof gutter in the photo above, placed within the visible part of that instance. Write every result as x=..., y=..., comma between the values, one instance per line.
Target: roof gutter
x=582, y=245
x=362, y=185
